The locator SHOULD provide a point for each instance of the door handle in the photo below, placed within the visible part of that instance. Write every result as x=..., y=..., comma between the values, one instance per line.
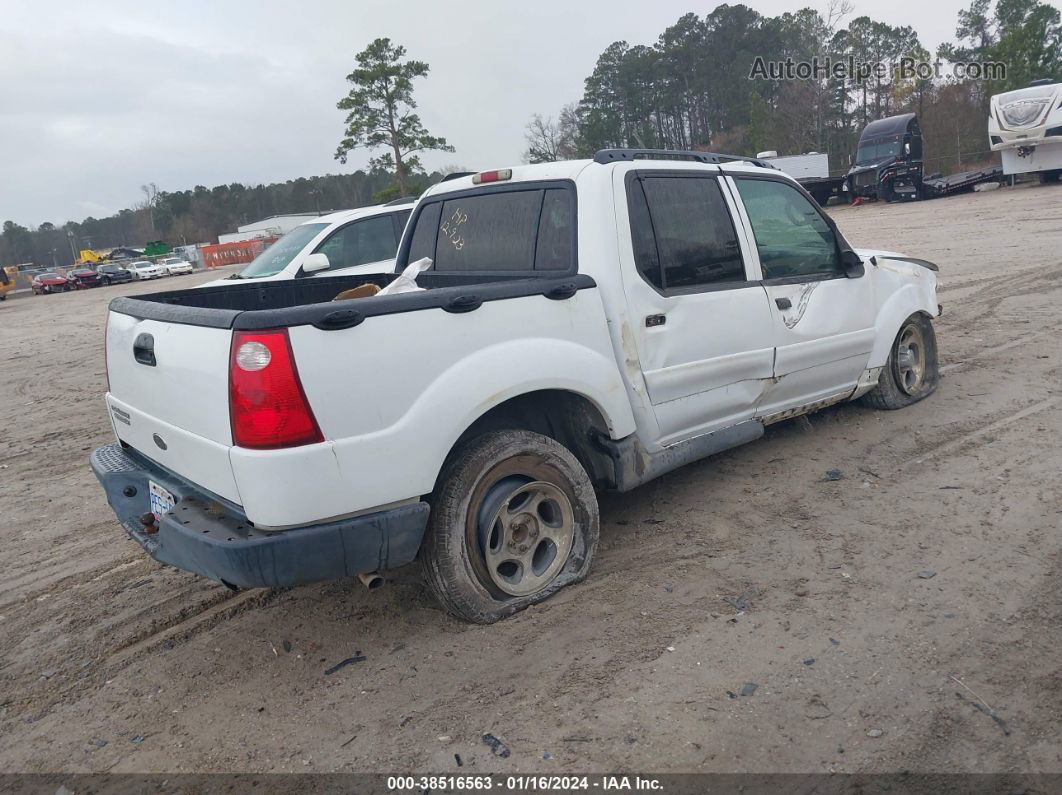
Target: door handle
x=655, y=320
x=144, y=349
x=783, y=303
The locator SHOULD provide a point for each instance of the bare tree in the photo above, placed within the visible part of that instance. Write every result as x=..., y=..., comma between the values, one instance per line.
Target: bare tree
x=151, y=199
x=549, y=140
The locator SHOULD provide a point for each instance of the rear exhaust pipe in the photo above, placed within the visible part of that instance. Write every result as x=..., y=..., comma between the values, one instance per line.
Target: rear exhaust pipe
x=371, y=580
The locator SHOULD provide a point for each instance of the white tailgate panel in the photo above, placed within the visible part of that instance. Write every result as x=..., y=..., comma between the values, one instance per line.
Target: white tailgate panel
x=188, y=387
x=200, y=461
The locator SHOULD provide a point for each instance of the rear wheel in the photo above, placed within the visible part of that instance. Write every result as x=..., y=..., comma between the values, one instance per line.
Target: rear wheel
x=911, y=372
x=514, y=519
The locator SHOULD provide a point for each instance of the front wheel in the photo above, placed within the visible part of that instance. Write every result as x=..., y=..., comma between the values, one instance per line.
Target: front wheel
x=911, y=373
x=514, y=519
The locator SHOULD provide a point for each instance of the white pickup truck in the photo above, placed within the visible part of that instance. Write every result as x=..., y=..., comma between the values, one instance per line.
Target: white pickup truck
x=585, y=325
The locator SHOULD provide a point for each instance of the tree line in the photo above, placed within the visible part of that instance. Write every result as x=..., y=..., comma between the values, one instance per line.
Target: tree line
x=198, y=215
x=691, y=89
x=379, y=115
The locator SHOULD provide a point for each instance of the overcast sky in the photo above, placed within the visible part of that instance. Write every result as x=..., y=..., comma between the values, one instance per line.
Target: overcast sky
x=97, y=98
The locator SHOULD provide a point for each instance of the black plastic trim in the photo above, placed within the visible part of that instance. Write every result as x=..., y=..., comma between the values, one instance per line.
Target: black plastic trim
x=340, y=319
x=803, y=279
x=605, y=156
x=146, y=309
x=932, y=266
x=450, y=292
x=213, y=537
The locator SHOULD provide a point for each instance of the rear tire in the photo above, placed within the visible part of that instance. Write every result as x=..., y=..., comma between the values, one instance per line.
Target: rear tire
x=911, y=373
x=514, y=519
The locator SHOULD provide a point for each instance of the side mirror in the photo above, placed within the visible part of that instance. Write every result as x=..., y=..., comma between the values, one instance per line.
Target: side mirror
x=315, y=262
x=907, y=148
x=853, y=264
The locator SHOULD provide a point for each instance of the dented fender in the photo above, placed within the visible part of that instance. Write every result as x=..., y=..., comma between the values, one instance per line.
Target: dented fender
x=904, y=286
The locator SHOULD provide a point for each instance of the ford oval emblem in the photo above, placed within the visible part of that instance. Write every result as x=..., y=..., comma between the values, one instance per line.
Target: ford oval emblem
x=158, y=441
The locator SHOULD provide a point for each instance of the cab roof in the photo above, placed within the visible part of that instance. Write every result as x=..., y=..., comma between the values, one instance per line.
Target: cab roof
x=643, y=158
x=890, y=125
x=349, y=215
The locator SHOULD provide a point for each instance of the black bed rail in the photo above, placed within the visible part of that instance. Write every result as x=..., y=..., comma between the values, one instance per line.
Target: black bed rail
x=714, y=158
x=309, y=302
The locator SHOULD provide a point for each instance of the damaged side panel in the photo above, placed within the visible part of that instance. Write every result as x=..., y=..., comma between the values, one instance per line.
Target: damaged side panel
x=824, y=333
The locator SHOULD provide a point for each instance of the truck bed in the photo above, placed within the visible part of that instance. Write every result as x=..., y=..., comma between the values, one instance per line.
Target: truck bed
x=301, y=302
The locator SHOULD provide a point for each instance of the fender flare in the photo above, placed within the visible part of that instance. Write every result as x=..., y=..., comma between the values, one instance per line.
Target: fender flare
x=903, y=303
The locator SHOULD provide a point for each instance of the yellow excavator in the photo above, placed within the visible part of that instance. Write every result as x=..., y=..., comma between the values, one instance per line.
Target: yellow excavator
x=89, y=257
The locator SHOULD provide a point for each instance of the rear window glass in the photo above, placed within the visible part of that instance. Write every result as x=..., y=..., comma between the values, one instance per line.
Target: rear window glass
x=554, y=251
x=497, y=231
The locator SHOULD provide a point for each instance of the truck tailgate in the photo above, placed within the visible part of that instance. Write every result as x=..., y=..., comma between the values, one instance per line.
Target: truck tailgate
x=168, y=396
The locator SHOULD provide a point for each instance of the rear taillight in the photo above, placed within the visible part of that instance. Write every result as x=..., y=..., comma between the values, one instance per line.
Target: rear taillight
x=268, y=408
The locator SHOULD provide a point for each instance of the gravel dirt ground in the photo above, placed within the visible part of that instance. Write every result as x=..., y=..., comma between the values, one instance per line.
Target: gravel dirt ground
x=744, y=613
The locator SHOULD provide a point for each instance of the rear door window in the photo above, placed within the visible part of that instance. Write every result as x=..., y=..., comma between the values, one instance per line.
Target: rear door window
x=492, y=232
x=554, y=248
x=683, y=236
x=516, y=230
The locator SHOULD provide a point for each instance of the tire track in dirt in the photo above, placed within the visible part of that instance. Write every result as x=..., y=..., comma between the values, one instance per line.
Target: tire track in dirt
x=187, y=624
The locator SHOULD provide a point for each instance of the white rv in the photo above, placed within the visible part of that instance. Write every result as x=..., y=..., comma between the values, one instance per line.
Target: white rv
x=1026, y=127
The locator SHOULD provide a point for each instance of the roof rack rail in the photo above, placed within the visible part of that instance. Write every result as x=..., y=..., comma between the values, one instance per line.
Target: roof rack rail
x=403, y=200
x=715, y=158
x=457, y=175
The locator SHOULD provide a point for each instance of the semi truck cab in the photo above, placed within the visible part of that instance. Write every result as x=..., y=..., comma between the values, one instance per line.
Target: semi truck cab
x=888, y=162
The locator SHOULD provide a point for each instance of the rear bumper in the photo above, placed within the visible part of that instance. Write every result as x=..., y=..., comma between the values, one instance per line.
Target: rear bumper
x=209, y=536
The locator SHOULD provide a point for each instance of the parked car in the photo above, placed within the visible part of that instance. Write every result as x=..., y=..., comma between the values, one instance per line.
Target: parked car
x=145, y=269
x=175, y=266
x=114, y=274
x=83, y=278
x=271, y=436
x=360, y=241
x=49, y=283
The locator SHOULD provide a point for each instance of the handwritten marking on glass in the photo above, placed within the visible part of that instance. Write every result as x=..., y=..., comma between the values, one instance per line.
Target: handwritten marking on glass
x=450, y=228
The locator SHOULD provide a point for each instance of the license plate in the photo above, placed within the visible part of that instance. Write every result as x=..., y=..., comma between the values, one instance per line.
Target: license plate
x=161, y=500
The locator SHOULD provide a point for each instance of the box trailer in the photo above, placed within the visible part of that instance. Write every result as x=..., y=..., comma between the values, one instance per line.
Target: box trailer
x=812, y=170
